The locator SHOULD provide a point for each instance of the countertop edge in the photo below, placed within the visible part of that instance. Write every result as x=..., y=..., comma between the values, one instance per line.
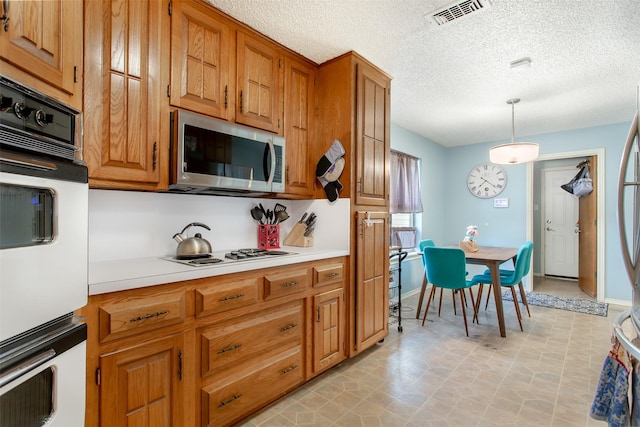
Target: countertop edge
x=122, y=275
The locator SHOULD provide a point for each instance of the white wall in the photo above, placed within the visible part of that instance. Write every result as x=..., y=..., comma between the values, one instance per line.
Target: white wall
x=130, y=224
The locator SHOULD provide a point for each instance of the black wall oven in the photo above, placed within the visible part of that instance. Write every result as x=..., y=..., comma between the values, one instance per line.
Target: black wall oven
x=43, y=260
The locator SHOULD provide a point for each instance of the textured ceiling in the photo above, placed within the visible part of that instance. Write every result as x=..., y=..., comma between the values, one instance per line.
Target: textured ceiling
x=451, y=82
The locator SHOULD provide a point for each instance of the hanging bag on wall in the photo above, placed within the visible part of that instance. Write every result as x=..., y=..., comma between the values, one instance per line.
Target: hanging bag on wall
x=568, y=187
x=581, y=184
x=584, y=185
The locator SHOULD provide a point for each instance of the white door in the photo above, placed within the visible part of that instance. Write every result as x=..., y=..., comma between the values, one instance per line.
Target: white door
x=560, y=224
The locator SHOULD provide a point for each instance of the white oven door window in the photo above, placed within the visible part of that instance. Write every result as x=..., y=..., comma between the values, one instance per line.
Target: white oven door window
x=32, y=216
x=52, y=395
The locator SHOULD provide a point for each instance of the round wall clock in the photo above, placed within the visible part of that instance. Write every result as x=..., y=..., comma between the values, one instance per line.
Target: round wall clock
x=486, y=180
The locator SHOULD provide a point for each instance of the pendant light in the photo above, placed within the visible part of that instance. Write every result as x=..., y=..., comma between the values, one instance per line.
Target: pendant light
x=514, y=152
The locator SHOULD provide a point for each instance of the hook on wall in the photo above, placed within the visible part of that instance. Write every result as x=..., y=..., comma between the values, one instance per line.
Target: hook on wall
x=583, y=163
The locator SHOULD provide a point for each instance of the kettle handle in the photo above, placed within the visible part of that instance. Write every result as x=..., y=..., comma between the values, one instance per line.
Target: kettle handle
x=195, y=224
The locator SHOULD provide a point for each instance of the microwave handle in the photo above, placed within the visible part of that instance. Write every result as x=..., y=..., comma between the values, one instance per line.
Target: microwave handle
x=272, y=170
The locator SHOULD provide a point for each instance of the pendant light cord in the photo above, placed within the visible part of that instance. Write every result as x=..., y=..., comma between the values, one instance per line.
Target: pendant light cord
x=513, y=123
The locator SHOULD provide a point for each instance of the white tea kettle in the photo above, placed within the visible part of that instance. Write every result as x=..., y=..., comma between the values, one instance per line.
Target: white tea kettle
x=192, y=247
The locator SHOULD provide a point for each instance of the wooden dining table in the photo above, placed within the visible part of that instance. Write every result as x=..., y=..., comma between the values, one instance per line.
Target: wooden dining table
x=492, y=257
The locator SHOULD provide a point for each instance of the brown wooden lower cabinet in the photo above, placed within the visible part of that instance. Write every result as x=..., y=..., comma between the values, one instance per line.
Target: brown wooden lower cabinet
x=141, y=385
x=328, y=329
x=180, y=355
x=226, y=402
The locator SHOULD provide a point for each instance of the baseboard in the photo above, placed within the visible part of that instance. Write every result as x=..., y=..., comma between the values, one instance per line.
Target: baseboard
x=411, y=293
x=623, y=303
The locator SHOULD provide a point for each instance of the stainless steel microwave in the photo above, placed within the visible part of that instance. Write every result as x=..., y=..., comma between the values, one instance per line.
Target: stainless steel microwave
x=212, y=156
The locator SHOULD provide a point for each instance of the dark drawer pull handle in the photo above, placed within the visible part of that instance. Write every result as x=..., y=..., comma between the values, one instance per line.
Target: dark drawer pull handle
x=236, y=296
x=289, y=284
x=289, y=369
x=231, y=400
x=230, y=348
x=148, y=316
x=332, y=274
x=286, y=328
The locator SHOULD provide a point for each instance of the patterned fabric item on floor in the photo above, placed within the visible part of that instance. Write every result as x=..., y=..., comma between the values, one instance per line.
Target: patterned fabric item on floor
x=571, y=304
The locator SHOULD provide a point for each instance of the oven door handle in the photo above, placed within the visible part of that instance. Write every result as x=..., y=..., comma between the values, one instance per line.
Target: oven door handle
x=26, y=366
x=15, y=159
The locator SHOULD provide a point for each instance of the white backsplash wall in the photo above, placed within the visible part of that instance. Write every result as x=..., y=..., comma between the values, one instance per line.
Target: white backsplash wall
x=131, y=224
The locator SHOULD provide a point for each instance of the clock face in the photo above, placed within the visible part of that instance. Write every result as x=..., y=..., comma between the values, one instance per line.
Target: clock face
x=486, y=180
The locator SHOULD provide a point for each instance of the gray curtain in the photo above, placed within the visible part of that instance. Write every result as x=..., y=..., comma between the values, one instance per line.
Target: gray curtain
x=405, y=184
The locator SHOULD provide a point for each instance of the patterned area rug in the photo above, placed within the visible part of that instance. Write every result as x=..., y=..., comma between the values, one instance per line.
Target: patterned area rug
x=570, y=304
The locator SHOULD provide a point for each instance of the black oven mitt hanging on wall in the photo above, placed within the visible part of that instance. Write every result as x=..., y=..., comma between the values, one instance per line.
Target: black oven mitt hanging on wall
x=329, y=168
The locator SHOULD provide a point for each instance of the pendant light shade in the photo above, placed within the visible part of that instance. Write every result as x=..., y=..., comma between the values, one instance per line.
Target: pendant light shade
x=514, y=152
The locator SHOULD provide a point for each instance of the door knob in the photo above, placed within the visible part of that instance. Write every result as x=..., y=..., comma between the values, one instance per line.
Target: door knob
x=550, y=229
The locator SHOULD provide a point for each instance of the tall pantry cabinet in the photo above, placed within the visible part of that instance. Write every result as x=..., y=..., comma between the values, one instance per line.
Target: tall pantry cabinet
x=354, y=108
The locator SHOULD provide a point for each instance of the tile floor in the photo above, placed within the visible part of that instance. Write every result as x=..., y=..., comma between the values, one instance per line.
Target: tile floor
x=559, y=287
x=436, y=376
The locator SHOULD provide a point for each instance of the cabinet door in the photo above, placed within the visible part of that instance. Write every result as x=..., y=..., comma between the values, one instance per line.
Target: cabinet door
x=141, y=386
x=43, y=39
x=372, y=278
x=328, y=329
x=299, y=89
x=259, y=69
x=126, y=108
x=372, y=137
x=199, y=60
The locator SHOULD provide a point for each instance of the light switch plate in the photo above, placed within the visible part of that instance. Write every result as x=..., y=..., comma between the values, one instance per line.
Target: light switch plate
x=500, y=203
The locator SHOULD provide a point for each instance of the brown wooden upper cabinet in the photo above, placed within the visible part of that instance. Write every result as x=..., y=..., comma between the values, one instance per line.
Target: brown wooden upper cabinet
x=201, y=61
x=299, y=96
x=259, y=83
x=41, y=47
x=126, y=117
x=372, y=136
x=220, y=70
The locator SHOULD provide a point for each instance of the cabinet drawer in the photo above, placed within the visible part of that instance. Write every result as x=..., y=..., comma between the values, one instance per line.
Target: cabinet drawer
x=281, y=284
x=225, y=403
x=252, y=337
x=140, y=314
x=328, y=274
x=219, y=297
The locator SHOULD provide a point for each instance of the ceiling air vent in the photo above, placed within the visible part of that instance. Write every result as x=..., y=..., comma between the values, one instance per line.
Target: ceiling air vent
x=458, y=10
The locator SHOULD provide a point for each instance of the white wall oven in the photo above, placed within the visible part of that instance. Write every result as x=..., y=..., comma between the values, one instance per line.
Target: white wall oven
x=43, y=260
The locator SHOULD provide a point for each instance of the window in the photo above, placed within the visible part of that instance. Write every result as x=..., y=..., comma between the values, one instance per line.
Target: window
x=405, y=199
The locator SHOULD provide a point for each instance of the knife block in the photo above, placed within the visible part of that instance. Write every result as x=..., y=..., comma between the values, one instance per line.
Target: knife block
x=297, y=238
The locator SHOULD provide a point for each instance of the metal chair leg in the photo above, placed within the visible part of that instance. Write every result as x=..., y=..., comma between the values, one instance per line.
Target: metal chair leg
x=515, y=302
x=433, y=290
x=425, y=282
x=453, y=297
x=464, y=314
x=486, y=304
x=474, y=304
x=524, y=297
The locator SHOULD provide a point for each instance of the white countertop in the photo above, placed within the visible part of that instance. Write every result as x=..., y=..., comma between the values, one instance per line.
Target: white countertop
x=119, y=275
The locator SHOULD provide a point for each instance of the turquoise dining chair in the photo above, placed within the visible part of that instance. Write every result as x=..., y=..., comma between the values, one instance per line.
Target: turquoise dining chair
x=445, y=268
x=510, y=278
x=503, y=273
x=423, y=244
